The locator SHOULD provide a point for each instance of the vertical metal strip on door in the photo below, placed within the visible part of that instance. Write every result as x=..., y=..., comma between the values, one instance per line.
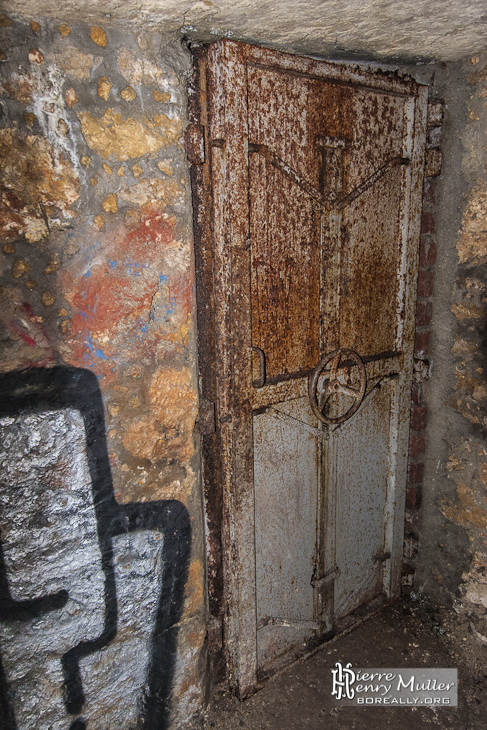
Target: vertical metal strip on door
x=228, y=150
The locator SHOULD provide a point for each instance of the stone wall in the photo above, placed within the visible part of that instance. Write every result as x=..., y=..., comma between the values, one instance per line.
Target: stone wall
x=452, y=563
x=102, y=558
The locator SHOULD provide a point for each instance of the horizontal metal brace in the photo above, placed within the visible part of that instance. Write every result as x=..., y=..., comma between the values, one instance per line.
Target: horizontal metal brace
x=289, y=623
x=329, y=577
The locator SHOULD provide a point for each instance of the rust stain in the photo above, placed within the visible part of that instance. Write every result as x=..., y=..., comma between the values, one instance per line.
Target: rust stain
x=107, y=169
x=483, y=474
x=35, y=26
x=125, y=139
x=98, y=35
x=64, y=30
x=35, y=177
x=194, y=588
x=167, y=432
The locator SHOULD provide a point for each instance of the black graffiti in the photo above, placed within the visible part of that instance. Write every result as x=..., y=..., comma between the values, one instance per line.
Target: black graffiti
x=38, y=390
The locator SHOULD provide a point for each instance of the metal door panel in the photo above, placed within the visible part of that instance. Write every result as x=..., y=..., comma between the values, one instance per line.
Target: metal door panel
x=369, y=267
x=285, y=271
x=361, y=497
x=287, y=462
x=286, y=471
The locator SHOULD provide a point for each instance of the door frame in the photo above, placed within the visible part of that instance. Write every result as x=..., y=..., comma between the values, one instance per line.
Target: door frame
x=217, y=145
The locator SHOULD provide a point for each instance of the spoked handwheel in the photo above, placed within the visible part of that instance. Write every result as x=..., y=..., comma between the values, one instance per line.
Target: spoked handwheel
x=337, y=379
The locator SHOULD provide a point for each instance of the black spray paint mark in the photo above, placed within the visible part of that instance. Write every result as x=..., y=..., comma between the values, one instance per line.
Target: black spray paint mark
x=40, y=390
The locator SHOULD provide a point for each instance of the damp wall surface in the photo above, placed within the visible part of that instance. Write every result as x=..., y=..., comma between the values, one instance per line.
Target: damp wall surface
x=102, y=562
x=451, y=565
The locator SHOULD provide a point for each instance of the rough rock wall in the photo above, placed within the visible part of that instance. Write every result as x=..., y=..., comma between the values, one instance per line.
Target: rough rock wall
x=331, y=28
x=99, y=503
x=452, y=563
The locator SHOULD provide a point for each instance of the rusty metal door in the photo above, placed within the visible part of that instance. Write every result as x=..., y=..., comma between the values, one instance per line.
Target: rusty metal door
x=307, y=177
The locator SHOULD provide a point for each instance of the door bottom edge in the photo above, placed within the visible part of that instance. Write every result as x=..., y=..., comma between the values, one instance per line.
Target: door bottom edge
x=344, y=626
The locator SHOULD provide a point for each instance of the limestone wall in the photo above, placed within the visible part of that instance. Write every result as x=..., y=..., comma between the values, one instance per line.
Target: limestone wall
x=102, y=563
x=452, y=563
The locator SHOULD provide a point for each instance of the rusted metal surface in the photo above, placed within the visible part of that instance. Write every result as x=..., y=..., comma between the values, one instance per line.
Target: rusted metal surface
x=194, y=139
x=260, y=381
x=322, y=390
x=309, y=231
x=210, y=444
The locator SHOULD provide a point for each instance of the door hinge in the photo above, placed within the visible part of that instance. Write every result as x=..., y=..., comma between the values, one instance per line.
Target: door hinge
x=194, y=141
x=206, y=417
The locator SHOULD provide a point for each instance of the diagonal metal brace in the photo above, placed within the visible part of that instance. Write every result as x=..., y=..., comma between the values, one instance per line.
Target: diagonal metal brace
x=312, y=191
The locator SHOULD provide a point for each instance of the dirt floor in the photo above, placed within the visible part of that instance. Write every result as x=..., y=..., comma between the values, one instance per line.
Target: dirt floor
x=408, y=634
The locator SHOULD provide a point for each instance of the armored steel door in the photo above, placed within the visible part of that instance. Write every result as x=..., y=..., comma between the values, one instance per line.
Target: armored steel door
x=307, y=255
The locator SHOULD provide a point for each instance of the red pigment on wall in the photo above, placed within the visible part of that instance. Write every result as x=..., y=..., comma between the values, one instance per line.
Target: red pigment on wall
x=113, y=301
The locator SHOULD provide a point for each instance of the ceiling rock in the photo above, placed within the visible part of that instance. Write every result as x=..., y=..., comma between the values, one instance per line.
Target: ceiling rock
x=382, y=29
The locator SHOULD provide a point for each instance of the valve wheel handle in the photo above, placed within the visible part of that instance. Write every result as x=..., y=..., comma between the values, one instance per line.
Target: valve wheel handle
x=334, y=386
